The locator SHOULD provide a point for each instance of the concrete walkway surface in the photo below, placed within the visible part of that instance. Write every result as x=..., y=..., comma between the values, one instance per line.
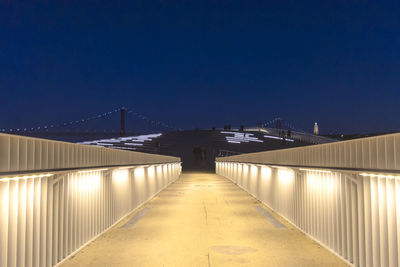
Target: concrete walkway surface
x=203, y=220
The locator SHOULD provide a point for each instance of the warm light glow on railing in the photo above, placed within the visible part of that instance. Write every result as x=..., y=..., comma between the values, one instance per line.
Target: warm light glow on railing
x=89, y=182
x=151, y=172
x=159, y=170
x=121, y=175
x=380, y=175
x=139, y=172
x=285, y=176
x=254, y=170
x=330, y=183
x=245, y=169
x=4, y=200
x=315, y=170
x=93, y=170
x=321, y=180
x=6, y=179
x=265, y=172
x=68, y=204
x=14, y=199
x=344, y=208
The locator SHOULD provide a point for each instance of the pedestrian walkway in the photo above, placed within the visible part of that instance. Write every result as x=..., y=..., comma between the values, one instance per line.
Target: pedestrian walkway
x=203, y=220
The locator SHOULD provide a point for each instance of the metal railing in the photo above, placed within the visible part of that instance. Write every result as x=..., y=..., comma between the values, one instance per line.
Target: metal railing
x=48, y=215
x=345, y=195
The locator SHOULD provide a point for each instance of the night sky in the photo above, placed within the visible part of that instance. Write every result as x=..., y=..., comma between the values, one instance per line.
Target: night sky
x=203, y=63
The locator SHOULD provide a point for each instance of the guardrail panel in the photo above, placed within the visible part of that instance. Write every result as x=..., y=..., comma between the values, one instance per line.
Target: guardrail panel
x=374, y=153
x=353, y=213
x=397, y=151
x=5, y=152
x=46, y=217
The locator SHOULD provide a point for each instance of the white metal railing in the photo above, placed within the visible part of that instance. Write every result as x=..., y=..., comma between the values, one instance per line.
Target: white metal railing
x=20, y=153
x=373, y=153
x=47, y=216
x=353, y=212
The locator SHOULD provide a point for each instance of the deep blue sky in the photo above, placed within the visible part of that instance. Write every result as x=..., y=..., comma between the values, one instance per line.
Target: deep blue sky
x=203, y=63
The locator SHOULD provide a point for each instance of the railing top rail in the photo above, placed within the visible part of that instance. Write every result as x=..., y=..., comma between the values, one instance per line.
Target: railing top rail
x=21, y=154
x=372, y=153
x=321, y=168
x=94, y=168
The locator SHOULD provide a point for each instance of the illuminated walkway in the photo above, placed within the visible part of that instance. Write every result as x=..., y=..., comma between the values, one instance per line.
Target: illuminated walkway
x=203, y=220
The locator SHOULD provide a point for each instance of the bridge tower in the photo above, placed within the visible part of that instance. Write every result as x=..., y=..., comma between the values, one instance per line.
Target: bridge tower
x=278, y=124
x=316, y=131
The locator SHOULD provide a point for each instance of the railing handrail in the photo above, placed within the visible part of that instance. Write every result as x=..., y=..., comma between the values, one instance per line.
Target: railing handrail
x=352, y=170
x=68, y=170
x=20, y=154
x=372, y=153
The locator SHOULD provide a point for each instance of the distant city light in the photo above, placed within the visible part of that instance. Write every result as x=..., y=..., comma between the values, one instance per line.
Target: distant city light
x=127, y=143
x=279, y=138
x=239, y=138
